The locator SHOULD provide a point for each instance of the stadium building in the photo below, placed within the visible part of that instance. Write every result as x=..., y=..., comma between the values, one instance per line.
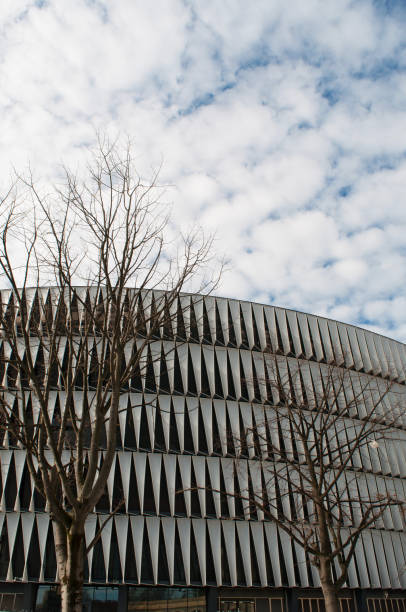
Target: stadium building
x=177, y=544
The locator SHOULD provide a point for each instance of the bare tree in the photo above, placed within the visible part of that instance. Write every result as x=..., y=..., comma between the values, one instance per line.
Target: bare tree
x=325, y=427
x=109, y=233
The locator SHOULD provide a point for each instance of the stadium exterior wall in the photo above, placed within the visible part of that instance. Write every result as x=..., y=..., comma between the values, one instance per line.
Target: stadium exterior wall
x=186, y=545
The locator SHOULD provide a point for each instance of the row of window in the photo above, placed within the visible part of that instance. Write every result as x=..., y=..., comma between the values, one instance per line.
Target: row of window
x=184, y=599
x=205, y=371
x=139, y=599
x=181, y=551
x=228, y=323
x=227, y=428
x=180, y=485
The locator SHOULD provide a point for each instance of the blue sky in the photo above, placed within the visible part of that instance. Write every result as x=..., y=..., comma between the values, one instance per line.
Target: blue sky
x=281, y=126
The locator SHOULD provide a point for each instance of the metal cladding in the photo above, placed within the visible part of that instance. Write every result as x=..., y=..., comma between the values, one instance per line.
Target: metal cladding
x=181, y=428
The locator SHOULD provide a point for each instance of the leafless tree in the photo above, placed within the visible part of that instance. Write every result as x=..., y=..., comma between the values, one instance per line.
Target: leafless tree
x=108, y=232
x=326, y=425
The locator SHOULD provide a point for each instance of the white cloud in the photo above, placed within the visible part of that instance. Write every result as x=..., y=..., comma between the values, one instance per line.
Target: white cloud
x=280, y=126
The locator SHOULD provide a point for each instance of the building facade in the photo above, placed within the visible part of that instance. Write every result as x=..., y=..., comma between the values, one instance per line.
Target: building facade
x=185, y=538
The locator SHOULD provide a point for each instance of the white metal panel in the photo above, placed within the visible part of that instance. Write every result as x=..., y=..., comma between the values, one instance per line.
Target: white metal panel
x=12, y=524
x=315, y=335
x=136, y=402
x=137, y=530
x=325, y=339
x=183, y=355
x=373, y=355
x=399, y=557
x=215, y=542
x=199, y=466
x=402, y=357
x=220, y=411
x=170, y=473
x=179, y=411
x=363, y=348
x=286, y=543
x=43, y=526
x=247, y=314
x=294, y=330
x=192, y=404
x=196, y=355
x=222, y=310
x=27, y=522
x=229, y=539
x=106, y=542
x=258, y=538
x=259, y=373
x=246, y=414
x=269, y=312
x=283, y=328
x=121, y=522
x=302, y=565
x=221, y=356
x=111, y=477
x=208, y=355
x=125, y=459
x=164, y=408
x=260, y=427
x=184, y=535
x=206, y=406
x=390, y=358
x=153, y=537
x=150, y=409
x=242, y=474
x=272, y=539
x=168, y=527
x=258, y=312
x=235, y=316
x=90, y=531
x=361, y=560
x=197, y=302
x=246, y=358
x=381, y=354
x=352, y=580
x=154, y=460
x=184, y=462
x=352, y=336
x=234, y=359
x=381, y=559
x=395, y=351
x=199, y=529
x=393, y=569
x=140, y=460
x=255, y=473
x=213, y=464
x=244, y=538
x=233, y=415
x=227, y=466
x=336, y=342
x=211, y=313
x=371, y=559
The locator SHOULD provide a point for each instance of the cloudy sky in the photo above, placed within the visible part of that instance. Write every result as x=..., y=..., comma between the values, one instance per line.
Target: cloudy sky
x=281, y=126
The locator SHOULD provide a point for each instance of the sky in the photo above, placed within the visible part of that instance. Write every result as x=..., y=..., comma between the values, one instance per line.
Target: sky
x=280, y=126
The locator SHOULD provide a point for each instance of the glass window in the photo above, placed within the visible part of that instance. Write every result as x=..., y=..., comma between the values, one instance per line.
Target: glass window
x=196, y=600
x=166, y=599
x=276, y=605
x=12, y=602
x=100, y=599
x=237, y=605
x=95, y=599
x=48, y=599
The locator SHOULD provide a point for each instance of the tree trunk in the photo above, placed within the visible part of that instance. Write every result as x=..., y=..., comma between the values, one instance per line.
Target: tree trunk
x=330, y=596
x=70, y=550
